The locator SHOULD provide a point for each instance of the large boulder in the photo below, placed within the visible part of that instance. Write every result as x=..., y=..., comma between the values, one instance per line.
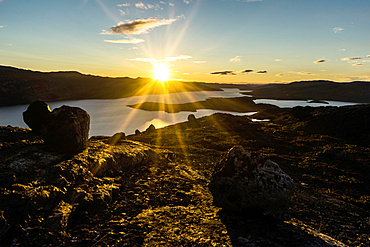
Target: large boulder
x=249, y=182
x=67, y=129
x=36, y=116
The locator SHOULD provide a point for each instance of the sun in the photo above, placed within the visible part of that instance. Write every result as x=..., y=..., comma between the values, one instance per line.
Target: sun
x=161, y=72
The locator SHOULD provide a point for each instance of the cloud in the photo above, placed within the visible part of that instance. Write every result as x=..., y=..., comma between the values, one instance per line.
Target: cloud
x=235, y=59
x=277, y=60
x=279, y=75
x=140, y=26
x=319, y=61
x=338, y=29
x=166, y=59
x=261, y=72
x=124, y=5
x=368, y=56
x=350, y=58
x=171, y=4
x=1, y=26
x=200, y=61
x=126, y=41
x=304, y=73
x=247, y=71
x=186, y=1
x=357, y=64
x=341, y=49
x=122, y=12
x=225, y=72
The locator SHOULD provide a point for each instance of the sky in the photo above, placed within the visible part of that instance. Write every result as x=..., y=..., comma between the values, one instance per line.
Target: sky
x=223, y=41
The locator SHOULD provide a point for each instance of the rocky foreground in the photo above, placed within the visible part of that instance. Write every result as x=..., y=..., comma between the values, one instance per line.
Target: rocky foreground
x=158, y=187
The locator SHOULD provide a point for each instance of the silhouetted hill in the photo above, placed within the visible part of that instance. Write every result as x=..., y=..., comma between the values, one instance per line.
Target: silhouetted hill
x=316, y=90
x=18, y=86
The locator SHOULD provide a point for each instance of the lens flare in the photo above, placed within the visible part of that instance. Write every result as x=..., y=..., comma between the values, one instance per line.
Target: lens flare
x=161, y=72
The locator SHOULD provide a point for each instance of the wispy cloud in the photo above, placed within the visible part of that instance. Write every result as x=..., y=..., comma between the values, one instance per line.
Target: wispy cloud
x=225, y=72
x=350, y=58
x=246, y=71
x=368, y=56
x=166, y=59
x=342, y=50
x=279, y=75
x=1, y=26
x=124, y=5
x=304, y=73
x=140, y=26
x=319, y=61
x=338, y=29
x=357, y=64
x=261, y=72
x=278, y=60
x=235, y=59
x=200, y=62
x=126, y=41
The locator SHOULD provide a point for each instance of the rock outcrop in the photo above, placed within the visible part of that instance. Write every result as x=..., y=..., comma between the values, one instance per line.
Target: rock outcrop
x=248, y=182
x=349, y=122
x=65, y=129
x=46, y=190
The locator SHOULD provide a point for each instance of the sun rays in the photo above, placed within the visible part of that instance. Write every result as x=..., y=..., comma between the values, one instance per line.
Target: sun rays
x=161, y=72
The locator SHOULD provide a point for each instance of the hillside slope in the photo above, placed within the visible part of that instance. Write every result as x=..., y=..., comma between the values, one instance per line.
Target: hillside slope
x=18, y=86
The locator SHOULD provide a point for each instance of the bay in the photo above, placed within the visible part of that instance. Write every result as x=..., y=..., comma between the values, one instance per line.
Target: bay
x=110, y=116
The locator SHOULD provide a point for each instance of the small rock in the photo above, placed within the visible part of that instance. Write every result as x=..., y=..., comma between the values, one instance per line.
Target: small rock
x=57, y=222
x=191, y=118
x=250, y=182
x=116, y=137
x=137, y=132
x=36, y=116
x=150, y=129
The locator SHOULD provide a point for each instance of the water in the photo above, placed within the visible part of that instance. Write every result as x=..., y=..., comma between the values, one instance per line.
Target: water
x=111, y=116
x=108, y=117
x=293, y=103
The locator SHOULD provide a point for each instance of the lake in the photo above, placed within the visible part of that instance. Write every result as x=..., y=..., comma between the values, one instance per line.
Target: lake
x=112, y=115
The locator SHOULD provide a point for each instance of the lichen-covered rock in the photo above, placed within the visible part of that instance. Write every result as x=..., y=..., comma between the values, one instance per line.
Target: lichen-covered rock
x=36, y=116
x=250, y=182
x=58, y=220
x=67, y=129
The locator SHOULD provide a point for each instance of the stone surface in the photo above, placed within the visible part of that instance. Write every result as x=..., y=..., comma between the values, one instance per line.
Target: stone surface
x=67, y=129
x=36, y=116
x=248, y=183
x=49, y=188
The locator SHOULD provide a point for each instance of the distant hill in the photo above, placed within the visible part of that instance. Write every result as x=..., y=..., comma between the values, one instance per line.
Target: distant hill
x=18, y=86
x=316, y=90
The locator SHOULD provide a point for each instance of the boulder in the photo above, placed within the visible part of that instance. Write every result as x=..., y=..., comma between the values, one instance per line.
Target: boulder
x=67, y=129
x=191, y=118
x=251, y=183
x=36, y=116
